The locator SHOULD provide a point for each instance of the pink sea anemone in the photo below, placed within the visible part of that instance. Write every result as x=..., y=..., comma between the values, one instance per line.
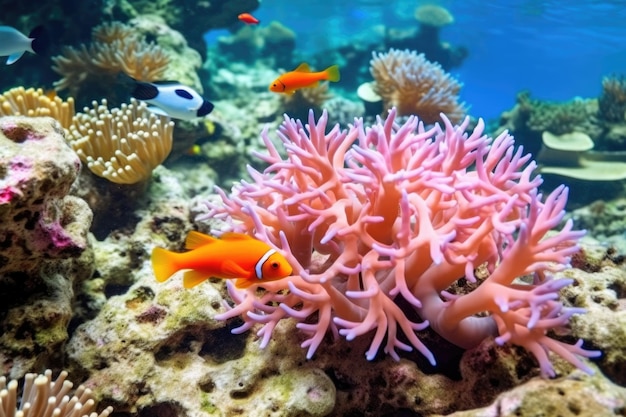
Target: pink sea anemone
x=370, y=214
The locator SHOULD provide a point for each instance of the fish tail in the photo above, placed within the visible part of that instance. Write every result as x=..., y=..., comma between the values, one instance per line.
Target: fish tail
x=332, y=73
x=41, y=42
x=163, y=264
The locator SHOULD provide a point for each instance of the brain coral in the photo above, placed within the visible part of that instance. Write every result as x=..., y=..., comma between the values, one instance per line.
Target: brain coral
x=412, y=84
x=371, y=215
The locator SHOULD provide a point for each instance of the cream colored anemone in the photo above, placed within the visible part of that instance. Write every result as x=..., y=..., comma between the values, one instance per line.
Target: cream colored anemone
x=43, y=397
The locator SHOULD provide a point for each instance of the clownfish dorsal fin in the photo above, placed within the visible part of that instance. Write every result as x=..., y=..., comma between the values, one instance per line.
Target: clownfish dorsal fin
x=304, y=67
x=196, y=239
x=235, y=236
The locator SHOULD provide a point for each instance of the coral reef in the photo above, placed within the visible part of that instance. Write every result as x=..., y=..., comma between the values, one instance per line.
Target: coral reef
x=32, y=102
x=566, y=397
x=600, y=282
x=401, y=216
x=44, y=233
x=612, y=101
x=343, y=111
x=123, y=144
x=605, y=220
x=298, y=104
x=115, y=48
x=412, y=84
x=601, y=159
x=272, y=45
x=158, y=349
x=426, y=38
x=191, y=18
x=529, y=118
x=183, y=61
x=155, y=349
x=43, y=397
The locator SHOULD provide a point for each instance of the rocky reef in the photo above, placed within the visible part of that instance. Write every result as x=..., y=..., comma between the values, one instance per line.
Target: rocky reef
x=157, y=349
x=44, y=254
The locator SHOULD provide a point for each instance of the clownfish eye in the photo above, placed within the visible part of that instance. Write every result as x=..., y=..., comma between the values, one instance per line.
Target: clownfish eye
x=275, y=265
x=274, y=85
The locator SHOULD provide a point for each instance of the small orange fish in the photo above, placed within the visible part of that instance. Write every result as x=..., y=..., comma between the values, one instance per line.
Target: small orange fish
x=248, y=18
x=302, y=77
x=235, y=256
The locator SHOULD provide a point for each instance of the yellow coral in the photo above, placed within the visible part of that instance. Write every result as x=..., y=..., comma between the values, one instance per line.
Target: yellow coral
x=115, y=48
x=35, y=103
x=42, y=397
x=408, y=81
x=122, y=145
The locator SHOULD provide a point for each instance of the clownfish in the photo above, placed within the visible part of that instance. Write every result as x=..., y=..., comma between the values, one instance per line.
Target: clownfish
x=248, y=18
x=173, y=99
x=14, y=43
x=234, y=256
x=302, y=77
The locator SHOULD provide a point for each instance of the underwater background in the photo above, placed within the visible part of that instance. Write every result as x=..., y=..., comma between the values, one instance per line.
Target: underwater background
x=273, y=208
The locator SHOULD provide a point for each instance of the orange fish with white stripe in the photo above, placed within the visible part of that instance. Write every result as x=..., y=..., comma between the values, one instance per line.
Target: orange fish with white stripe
x=303, y=77
x=233, y=256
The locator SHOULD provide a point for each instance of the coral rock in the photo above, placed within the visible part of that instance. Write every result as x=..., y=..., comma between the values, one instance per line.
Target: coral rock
x=39, y=219
x=44, y=240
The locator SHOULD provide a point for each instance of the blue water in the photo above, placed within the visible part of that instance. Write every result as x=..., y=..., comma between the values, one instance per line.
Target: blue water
x=556, y=49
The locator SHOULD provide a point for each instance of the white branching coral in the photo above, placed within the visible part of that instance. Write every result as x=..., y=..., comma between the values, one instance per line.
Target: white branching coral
x=43, y=397
x=123, y=144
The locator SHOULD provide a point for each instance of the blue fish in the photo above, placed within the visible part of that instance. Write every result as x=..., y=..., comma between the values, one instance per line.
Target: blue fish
x=14, y=43
x=173, y=99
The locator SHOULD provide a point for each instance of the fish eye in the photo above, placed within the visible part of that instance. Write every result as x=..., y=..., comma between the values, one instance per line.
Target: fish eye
x=275, y=265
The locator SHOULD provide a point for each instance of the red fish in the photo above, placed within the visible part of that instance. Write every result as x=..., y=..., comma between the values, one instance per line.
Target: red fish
x=248, y=18
x=234, y=256
x=303, y=77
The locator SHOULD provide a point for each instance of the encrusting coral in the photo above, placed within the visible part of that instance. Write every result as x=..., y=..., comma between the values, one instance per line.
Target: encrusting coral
x=413, y=85
x=370, y=215
x=32, y=102
x=43, y=397
x=123, y=144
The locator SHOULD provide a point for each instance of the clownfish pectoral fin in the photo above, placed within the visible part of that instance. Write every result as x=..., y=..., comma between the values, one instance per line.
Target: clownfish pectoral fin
x=196, y=239
x=163, y=264
x=192, y=278
x=14, y=57
x=332, y=73
x=243, y=283
x=231, y=269
x=304, y=67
